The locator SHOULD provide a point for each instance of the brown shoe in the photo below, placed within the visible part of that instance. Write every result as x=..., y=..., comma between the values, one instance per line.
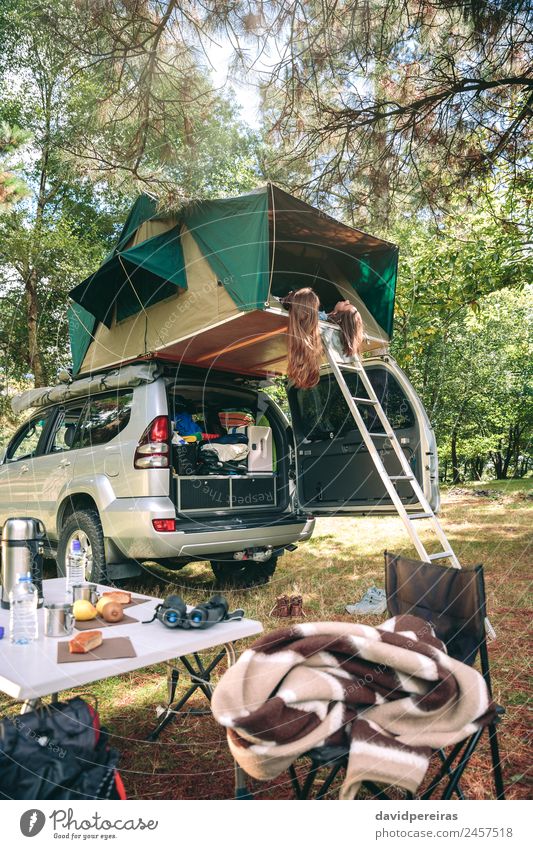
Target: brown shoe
x=296, y=606
x=281, y=608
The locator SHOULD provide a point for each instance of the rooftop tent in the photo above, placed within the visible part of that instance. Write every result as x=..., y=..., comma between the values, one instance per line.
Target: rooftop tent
x=144, y=208
x=173, y=282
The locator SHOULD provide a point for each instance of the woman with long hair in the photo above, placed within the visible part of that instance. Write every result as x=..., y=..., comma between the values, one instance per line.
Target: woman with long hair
x=348, y=317
x=304, y=344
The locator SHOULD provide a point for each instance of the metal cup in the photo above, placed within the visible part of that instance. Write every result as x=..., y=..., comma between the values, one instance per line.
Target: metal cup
x=87, y=592
x=58, y=619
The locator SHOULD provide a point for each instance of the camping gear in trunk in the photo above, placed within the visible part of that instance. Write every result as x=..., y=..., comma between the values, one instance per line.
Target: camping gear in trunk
x=185, y=458
x=260, y=449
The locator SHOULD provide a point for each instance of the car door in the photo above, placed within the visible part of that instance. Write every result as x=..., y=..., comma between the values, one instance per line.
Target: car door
x=16, y=467
x=52, y=468
x=335, y=473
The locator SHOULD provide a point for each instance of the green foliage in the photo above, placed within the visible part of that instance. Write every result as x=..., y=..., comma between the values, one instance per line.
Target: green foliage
x=463, y=328
x=12, y=187
x=464, y=333
x=387, y=105
x=451, y=264
x=92, y=148
x=59, y=254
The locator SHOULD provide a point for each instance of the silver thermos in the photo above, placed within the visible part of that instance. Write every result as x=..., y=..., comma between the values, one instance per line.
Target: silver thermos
x=22, y=552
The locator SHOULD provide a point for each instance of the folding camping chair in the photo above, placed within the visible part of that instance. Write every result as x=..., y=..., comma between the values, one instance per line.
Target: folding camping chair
x=453, y=601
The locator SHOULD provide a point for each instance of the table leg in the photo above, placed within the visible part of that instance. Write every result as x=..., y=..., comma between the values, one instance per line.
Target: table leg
x=29, y=705
x=200, y=680
x=241, y=787
x=33, y=704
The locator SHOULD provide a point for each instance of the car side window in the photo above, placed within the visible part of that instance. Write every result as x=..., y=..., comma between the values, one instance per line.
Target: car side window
x=24, y=443
x=65, y=428
x=104, y=418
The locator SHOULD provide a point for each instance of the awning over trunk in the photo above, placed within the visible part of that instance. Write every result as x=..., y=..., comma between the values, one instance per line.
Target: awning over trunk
x=368, y=263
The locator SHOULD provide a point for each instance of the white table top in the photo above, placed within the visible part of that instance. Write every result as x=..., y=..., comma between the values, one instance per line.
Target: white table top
x=28, y=672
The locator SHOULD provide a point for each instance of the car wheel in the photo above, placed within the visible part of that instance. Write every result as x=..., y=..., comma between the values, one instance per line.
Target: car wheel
x=243, y=573
x=85, y=526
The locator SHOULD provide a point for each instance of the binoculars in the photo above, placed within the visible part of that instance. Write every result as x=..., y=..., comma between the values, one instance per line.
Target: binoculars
x=173, y=613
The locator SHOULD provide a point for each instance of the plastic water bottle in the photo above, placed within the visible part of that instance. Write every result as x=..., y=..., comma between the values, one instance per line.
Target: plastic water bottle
x=23, y=598
x=75, y=565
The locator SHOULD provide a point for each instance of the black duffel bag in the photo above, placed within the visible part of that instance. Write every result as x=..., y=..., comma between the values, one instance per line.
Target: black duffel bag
x=58, y=751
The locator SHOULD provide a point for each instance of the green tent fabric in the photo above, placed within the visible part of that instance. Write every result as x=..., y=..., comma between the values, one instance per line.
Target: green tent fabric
x=81, y=325
x=144, y=208
x=233, y=236
x=374, y=279
x=134, y=278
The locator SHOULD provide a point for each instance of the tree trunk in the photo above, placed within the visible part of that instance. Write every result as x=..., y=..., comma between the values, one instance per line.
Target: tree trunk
x=378, y=201
x=516, y=453
x=478, y=464
x=508, y=452
x=498, y=460
x=31, y=277
x=456, y=475
x=35, y=361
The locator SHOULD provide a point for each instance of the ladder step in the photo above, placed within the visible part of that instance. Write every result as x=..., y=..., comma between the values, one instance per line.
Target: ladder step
x=384, y=435
x=440, y=555
x=420, y=515
x=364, y=401
x=401, y=477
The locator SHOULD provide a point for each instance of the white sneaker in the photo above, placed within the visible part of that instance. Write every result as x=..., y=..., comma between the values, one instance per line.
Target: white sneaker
x=374, y=602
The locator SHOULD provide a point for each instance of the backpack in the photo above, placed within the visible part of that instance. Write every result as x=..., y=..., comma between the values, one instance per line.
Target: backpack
x=58, y=751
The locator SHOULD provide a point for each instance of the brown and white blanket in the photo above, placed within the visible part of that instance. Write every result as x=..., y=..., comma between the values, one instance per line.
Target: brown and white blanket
x=392, y=693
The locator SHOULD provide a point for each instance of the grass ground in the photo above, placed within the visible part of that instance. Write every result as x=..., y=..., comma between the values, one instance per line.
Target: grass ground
x=344, y=557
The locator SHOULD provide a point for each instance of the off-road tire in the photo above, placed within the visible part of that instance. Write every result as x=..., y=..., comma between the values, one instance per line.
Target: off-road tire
x=87, y=521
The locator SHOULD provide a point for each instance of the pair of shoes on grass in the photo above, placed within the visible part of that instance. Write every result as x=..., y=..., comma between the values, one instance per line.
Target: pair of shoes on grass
x=374, y=602
x=287, y=607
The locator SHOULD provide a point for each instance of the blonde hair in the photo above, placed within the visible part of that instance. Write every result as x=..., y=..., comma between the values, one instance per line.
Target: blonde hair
x=304, y=344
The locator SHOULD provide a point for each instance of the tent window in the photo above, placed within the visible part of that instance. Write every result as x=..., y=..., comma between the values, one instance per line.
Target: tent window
x=294, y=272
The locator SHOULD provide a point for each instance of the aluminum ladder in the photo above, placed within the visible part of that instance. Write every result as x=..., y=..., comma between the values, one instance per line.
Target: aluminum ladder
x=409, y=519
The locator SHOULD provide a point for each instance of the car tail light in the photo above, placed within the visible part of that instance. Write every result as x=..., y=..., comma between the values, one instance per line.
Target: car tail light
x=153, y=449
x=164, y=525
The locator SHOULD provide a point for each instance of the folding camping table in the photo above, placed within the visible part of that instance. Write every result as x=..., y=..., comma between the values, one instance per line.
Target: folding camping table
x=29, y=673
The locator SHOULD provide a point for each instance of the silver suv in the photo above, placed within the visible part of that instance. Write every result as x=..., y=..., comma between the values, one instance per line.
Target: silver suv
x=103, y=469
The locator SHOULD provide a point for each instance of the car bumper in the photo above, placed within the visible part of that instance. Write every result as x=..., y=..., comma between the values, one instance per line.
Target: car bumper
x=128, y=523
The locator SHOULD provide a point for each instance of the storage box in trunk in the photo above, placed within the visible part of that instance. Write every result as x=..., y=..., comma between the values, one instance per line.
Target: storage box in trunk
x=233, y=493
